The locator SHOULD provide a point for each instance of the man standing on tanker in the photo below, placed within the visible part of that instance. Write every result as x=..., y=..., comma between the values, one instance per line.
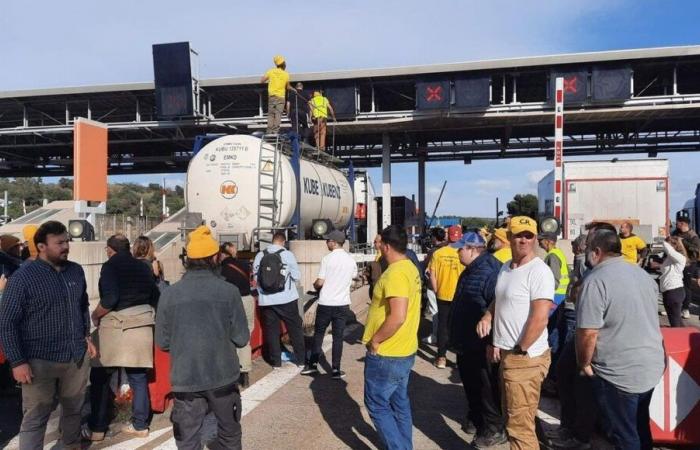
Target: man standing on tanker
x=277, y=80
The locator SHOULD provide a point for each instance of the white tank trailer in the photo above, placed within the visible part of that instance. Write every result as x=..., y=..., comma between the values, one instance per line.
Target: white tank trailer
x=222, y=185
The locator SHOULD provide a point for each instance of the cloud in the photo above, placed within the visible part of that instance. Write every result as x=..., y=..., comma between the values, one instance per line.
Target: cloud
x=535, y=176
x=490, y=186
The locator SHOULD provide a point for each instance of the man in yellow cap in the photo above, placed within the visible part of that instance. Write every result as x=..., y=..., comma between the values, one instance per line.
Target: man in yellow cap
x=277, y=80
x=500, y=246
x=518, y=316
x=201, y=322
x=320, y=106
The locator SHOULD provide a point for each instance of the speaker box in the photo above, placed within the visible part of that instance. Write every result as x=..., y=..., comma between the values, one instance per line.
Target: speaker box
x=173, y=80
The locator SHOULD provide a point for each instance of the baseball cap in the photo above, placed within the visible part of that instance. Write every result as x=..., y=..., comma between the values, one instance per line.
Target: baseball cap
x=520, y=224
x=454, y=233
x=335, y=235
x=469, y=239
x=501, y=234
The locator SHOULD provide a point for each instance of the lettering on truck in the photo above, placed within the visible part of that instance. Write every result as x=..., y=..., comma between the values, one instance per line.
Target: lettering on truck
x=313, y=187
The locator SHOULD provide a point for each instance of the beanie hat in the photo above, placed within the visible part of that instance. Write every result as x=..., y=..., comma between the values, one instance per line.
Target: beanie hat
x=201, y=244
x=29, y=231
x=7, y=241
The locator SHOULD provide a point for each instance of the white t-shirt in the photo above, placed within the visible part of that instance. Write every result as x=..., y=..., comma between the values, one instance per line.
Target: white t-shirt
x=337, y=271
x=515, y=289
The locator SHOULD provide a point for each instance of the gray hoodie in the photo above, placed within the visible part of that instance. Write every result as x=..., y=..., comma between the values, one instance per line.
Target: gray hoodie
x=201, y=321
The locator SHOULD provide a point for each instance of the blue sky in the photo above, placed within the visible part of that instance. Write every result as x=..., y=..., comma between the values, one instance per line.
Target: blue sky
x=51, y=44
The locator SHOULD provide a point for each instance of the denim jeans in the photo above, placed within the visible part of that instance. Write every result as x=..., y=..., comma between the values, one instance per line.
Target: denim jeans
x=386, y=399
x=628, y=415
x=101, y=398
x=327, y=315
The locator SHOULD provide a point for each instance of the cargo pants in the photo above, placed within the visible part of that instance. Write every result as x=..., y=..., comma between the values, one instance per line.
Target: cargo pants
x=521, y=379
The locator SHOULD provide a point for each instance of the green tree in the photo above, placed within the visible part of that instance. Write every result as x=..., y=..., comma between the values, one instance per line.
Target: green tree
x=523, y=205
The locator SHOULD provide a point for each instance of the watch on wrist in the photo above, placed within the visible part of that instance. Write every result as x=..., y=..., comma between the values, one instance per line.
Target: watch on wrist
x=518, y=350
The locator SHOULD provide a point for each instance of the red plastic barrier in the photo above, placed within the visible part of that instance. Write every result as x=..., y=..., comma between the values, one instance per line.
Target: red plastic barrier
x=159, y=387
x=675, y=404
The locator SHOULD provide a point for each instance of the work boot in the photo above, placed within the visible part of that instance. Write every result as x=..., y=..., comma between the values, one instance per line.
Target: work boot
x=469, y=427
x=487, y=440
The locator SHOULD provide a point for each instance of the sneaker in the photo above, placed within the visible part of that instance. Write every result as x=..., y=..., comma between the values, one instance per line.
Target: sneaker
x=489, y=440
x=338, y=374
x=686, y=314
x=571, y=443
x=129, y=429
x=309, y=369
x=441, y=362
x=663, y=313
x=88, y=435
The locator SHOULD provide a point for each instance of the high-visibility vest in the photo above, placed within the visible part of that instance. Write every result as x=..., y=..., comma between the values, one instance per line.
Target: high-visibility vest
x=564, y=277
x=319, y=108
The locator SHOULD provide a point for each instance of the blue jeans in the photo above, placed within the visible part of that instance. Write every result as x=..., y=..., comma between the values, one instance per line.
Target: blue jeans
x=386, y=399
x=627, y=414
x=101, y=397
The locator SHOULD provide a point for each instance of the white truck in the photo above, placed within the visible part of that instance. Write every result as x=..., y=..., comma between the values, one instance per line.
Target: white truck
x=635, y=191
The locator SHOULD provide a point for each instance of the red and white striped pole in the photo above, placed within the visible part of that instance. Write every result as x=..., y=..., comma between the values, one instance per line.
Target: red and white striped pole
x=558, y=149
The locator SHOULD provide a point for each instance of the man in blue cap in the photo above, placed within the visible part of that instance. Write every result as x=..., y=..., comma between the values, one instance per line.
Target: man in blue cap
x=476, y=290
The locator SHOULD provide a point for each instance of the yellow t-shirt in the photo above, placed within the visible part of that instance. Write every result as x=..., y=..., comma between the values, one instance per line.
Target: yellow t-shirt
x=630, y=246
x=503, y=254
x=400, y=279
x=277, y=84
x=445, y=265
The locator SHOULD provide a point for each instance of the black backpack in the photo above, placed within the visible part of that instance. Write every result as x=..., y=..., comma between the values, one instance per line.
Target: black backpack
x=271, y=274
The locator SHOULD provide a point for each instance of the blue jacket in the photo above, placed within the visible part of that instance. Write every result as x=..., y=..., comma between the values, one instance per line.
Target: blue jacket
x=476, y=289
x=293, y=275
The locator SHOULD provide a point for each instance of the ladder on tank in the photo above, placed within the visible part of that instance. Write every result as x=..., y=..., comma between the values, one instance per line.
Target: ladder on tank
x=269, y=180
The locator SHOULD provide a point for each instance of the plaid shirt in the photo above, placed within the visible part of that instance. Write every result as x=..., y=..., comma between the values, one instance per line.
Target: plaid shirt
x=44, y=314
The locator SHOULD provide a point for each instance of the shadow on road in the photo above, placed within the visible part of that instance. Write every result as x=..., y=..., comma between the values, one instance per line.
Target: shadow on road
x=339, y=410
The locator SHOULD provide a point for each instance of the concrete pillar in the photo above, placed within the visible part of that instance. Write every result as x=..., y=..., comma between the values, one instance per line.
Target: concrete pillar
x=421, y=194
x=386, y=180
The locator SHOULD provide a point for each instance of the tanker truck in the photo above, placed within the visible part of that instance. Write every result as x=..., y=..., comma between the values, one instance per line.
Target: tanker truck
x=224, y=186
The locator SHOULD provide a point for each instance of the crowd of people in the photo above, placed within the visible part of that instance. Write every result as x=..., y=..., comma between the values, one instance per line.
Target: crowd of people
x=513, y=320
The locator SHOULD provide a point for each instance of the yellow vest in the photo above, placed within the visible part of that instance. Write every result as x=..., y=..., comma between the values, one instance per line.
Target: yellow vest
x=564, y=277
x=319, y=107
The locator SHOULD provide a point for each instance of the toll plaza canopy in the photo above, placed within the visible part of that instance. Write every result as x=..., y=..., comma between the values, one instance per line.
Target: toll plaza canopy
x=616, y=102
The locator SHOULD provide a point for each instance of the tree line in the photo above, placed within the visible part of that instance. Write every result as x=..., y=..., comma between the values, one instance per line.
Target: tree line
x=28, y=194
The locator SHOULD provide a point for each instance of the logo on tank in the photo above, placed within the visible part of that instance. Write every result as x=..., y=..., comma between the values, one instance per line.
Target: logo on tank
x=228, y=189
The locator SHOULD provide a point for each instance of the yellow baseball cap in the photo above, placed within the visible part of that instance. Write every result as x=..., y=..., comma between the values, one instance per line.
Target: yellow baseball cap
x=501, y=234
x=278, y=59
x=520, y=224
x=201, y=244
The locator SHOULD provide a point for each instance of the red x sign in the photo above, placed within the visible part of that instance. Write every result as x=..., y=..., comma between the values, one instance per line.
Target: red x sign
x=570, y=85
x=433, y=94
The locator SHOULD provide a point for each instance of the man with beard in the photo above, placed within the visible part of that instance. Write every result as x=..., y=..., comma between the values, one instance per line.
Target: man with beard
x=45, y=328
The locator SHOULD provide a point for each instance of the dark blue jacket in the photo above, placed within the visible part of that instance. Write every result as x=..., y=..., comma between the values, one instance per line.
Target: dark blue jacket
x=476, y=289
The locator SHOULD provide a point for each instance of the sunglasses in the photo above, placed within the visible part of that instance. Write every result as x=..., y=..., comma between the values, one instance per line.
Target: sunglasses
x=525, y=235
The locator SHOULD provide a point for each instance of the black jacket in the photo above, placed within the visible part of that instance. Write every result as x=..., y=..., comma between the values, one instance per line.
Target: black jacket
x=476, y=289
x=125, y=282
